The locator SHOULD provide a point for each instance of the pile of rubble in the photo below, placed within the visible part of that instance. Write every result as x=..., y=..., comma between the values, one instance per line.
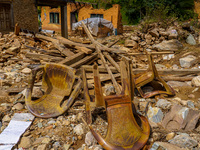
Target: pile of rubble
x=174, y=121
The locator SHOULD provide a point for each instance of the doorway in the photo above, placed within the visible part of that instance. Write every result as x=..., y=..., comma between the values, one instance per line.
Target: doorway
x=5, y=17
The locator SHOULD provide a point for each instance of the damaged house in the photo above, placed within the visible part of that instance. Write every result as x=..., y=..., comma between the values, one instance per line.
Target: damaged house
x=51, y=18
x=23, y=12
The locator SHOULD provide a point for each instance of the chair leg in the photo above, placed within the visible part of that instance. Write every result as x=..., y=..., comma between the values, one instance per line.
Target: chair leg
x=87, y=98
x=99, y=98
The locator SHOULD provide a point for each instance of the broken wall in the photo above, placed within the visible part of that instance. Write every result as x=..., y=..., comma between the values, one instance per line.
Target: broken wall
x=84, y=11
x=45, y=18
x=25, y=13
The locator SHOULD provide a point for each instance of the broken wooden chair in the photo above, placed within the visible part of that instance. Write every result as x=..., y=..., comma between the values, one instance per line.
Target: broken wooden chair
x=150, y=76
x=58, y=82
x=123, y=130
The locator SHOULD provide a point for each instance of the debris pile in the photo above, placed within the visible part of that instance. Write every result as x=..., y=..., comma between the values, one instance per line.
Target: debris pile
x=174, y=120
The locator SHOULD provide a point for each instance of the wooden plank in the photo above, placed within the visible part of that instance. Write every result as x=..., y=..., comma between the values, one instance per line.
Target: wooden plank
x=104, y=48
x=56, y=43
x=136, y=71
x=83, y=61
x=153, y=53
x=112, y=61
x=105, y=78
x=97, y=47
x=43, y=57
x=72, y=59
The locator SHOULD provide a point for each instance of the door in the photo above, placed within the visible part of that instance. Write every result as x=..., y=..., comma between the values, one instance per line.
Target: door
x=5, y=19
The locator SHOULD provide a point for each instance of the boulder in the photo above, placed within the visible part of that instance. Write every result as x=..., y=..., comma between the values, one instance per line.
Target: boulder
x=168, y=45
x=188, y=61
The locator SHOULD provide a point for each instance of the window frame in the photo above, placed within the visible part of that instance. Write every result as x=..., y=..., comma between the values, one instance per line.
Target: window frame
x=96, y=15
x=54, y=20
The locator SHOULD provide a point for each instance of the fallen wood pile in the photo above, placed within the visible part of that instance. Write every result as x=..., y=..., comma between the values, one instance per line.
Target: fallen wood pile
x=20, y=54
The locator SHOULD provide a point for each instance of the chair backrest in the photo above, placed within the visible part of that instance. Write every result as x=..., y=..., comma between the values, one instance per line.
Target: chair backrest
x=58, y=77
x=123, y=129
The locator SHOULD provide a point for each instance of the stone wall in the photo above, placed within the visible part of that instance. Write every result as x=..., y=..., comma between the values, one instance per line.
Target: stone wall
x=25, y=13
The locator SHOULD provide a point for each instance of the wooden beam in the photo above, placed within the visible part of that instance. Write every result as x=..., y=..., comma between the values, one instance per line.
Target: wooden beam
x=73, y=59
x=64, y=26
x=97, y=47
x=83, y=61
x=112, y=61
x=160, y=71
x=56, y=43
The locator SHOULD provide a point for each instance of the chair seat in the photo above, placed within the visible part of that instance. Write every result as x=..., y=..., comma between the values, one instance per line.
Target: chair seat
x=47, y=106
x=58, y=82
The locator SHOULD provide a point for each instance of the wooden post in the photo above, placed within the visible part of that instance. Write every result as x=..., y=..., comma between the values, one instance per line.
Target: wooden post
x=64, y=26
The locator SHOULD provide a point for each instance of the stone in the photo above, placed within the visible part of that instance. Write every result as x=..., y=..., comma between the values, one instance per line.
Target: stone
x=25, y=142
x=168, y=45
x=51, y=122
x=175, y=84
x=42, y=147
x=6, y=118
x=79, y=129
x=46, y=140
x=155, y=114
x=168, y=57
x=188, y=61
x=79, y=116
x=37, y=92
x=164, y=104
x=130, y=43
x=190, y=104
x=196, y=81
x=156, y=136
x=109, y=90
x=66, y=122
x=173, y=36
x=18, y=106
x=181, y=118
x=165, y=146
x=170, y=136
x=190, y=40
x=154, y=33
x=39, y=125
x=135, y=38
x=26, y=70
x=89, y=139
x=160, y=66
x=66, y=146
x=191, y=96
x=184, y=141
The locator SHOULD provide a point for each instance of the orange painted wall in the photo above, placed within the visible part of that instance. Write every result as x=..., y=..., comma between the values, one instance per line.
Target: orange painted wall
x=46, y=20
x=84, y=11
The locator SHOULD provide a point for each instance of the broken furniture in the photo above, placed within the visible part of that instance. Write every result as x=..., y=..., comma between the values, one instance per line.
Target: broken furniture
x=150, y=76
x=123, y=130
x=57, y=82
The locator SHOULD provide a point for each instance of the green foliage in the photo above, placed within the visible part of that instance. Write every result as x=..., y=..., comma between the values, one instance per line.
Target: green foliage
x=134, y=10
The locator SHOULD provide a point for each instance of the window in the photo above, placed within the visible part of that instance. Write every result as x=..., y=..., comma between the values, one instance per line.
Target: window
x=96, y=16
x=54, y=17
